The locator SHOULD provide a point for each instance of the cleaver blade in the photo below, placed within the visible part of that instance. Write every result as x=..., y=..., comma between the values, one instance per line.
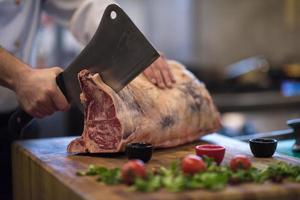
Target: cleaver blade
x=118, y=51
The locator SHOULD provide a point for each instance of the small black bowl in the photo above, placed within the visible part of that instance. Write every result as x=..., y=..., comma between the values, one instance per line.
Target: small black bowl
x=263, y=147
x=142, y=151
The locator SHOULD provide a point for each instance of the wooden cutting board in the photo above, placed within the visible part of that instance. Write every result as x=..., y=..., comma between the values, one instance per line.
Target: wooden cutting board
x=42, y=169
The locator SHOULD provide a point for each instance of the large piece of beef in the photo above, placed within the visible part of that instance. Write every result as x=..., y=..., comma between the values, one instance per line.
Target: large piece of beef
x=141, y=112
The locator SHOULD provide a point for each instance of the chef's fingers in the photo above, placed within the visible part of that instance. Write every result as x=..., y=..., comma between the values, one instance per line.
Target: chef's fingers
x=52, y=105
x=36, y=111
x=60, y=100
x=57, y=70
x=168, y=68
x=149, y=75
x=44, y=111
x=166, y=74
x=43, y=106
x=37, y=114
x=171, y=75
x=166, y=77
x=158, y=76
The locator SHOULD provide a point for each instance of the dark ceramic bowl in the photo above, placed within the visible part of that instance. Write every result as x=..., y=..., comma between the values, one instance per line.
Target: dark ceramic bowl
x=141, y=151
x=263, y=147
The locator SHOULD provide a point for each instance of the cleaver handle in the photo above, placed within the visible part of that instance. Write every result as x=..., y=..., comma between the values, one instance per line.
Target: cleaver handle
x=18, y=121
x=60, y=81
x=21, y=119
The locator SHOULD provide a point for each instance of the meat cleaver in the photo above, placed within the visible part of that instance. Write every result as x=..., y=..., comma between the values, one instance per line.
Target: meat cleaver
x=118, y=51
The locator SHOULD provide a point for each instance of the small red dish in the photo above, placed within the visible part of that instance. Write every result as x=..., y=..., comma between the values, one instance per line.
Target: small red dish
x=216, y=152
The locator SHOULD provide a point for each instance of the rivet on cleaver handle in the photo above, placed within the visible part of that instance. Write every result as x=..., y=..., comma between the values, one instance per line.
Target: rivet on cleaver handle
x=20, y=119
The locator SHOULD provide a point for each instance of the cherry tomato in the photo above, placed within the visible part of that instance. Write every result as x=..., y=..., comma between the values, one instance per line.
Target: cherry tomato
x=133, y=169
x=192, y=164
x=240, y=162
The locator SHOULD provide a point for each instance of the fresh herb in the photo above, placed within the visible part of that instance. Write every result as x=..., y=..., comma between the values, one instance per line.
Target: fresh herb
x=209, y=161
x=280, y=171
x=214, y=178
x=243, y=176
x=152, y=183
x=107, y=176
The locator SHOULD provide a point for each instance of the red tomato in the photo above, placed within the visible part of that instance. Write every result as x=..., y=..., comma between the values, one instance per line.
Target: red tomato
x=240, y=162
x=192, y=164
x=133, y=169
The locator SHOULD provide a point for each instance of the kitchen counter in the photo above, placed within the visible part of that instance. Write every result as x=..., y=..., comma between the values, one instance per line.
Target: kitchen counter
x=42, y=169
x=254, y=100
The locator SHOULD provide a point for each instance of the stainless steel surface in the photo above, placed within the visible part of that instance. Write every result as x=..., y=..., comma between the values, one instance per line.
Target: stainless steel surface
x=293, y=133
x=254, y=100
x=279, y=135
x=266, y=120
x=295, y=125
x=242, y=67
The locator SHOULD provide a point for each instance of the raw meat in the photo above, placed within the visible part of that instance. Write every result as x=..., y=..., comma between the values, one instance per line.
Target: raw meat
x=141, y=112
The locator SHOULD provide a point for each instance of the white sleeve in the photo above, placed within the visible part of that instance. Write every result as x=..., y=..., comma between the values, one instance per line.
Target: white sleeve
x=82, y=17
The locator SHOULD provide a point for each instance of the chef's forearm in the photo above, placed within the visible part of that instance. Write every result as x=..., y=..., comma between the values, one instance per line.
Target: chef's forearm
x=10, y=69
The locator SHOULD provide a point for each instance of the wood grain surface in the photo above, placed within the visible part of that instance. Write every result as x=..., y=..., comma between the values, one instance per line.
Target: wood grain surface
x=43, y=170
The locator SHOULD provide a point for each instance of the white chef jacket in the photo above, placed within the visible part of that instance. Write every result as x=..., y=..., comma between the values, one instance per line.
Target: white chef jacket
x=19, y=24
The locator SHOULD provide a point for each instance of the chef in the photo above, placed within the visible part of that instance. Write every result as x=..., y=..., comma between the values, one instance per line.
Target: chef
x=35, y=89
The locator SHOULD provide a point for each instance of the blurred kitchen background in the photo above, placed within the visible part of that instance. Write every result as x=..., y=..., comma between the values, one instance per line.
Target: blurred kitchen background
x=247, y=53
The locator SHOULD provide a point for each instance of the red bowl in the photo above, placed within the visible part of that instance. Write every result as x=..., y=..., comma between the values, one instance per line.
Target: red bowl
x=216, y=152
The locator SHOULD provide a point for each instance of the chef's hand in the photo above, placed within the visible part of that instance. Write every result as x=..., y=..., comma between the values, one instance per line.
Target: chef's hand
x=160, y=74
x=38, y=93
